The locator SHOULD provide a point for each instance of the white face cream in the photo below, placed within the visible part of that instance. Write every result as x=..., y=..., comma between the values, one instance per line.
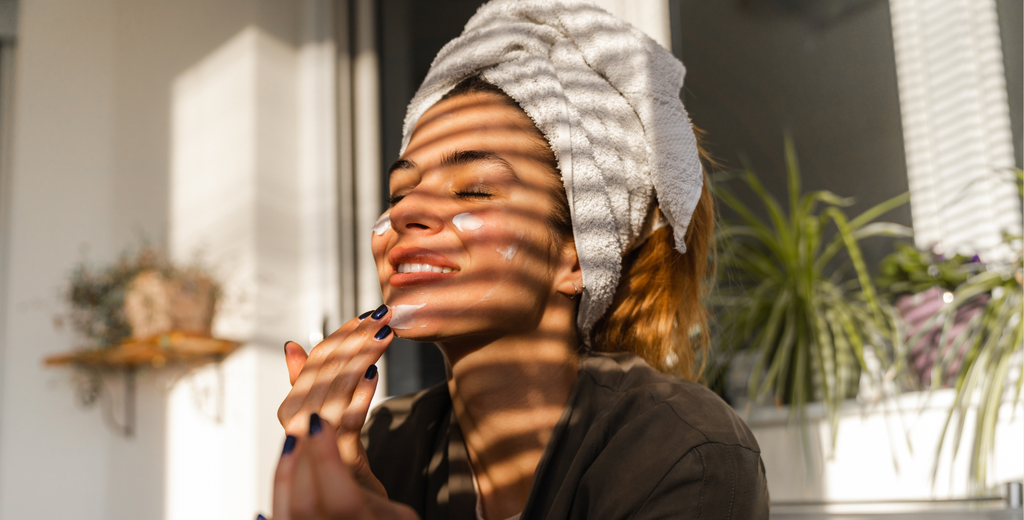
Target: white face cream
x=508, y=253
x=402, y=316
x=383, y=225
x=466, y=222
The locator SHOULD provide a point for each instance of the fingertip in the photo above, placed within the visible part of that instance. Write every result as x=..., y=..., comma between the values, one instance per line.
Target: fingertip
x=380, y=312
x=371, y=372
x=384, y=332
x=315, y=424
x=289, y=445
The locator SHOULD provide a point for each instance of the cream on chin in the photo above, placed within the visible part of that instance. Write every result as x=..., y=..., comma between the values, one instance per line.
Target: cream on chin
x=404, y=316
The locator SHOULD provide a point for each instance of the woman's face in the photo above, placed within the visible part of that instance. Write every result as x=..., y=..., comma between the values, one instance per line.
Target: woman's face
x=469, y=252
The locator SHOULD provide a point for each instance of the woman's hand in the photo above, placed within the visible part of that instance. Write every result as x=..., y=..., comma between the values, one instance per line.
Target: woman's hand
x=312, y=482
x=337, y=382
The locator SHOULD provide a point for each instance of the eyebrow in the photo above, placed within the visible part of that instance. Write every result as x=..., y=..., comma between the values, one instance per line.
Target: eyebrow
x=459, y=158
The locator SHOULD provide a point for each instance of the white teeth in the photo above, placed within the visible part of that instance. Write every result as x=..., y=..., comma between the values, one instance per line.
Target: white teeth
x=416, y=268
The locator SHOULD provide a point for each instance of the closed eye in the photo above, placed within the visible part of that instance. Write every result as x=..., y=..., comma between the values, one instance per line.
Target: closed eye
x=471, y=194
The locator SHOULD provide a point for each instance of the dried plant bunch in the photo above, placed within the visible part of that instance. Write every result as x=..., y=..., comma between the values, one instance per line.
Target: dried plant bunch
x=139, y=296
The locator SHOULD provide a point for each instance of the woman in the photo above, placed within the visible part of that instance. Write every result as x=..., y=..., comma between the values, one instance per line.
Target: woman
x=549, y=229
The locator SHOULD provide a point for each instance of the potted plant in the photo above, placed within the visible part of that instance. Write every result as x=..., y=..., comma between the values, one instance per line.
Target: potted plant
x=795, y=292
x=980, y=356
x=921, y=283
x=139, y=297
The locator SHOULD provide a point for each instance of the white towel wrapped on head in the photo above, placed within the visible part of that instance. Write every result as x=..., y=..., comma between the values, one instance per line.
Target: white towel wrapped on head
x=606, y=98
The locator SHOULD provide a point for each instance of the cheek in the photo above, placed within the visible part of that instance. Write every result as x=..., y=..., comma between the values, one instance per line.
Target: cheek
x=506, y=244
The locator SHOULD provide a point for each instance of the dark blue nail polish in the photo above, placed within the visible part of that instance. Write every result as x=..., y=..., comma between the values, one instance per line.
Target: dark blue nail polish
x=314, y=425
x=364, y=315
x=289, y=445
x=383, y=332
x=380, y=312
x=261, y=517
x=371, y=372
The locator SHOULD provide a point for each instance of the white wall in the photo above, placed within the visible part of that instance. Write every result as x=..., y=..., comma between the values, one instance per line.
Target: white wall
x=62, y=198
x=91, y=168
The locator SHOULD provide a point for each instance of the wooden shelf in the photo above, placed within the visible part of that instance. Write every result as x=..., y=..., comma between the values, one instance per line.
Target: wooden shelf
x=173, y=348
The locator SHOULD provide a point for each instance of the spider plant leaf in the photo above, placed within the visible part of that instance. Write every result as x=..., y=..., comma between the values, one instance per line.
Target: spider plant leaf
x=767, y=345
x=831, y=198
x=825, y=352
x=793, y=176
x=775, y=213
x=801, y=381
x=853, y=250
x=844, y=357
x=733, y=202
x=879, y=209
x=860, y=221
x=847, y=330
x=883, y=229
x=777, y=371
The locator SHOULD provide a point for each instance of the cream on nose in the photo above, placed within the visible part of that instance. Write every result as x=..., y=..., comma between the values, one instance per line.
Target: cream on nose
x=383, y=224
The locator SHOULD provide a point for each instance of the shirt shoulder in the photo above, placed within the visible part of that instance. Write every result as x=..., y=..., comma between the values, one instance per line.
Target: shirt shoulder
x=628, y=389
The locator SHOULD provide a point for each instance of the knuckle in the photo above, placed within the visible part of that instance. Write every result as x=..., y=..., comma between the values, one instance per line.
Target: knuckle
x=284, y=414
x=333, y=363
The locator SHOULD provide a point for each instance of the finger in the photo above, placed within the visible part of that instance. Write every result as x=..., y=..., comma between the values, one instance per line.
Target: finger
x=295, y=357
x=343, y=389
x=283, y=477
x=349, y=444
x=354, y=417
x=310, y=367
x=328, y=362
x=338, y=494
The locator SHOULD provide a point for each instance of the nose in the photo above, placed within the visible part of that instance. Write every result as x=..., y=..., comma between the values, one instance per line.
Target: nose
x=417, y=212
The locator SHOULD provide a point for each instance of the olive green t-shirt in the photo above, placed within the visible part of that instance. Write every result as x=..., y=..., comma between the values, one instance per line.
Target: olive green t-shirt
x=631, y=443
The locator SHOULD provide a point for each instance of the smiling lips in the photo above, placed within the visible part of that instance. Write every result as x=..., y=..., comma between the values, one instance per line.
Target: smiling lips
x=419, y=268
x=414, y=266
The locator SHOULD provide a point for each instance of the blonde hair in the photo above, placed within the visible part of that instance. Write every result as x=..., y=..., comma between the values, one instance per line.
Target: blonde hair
x=659, y=311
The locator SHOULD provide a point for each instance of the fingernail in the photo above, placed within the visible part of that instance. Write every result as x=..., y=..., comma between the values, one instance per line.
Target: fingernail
x=286, y=347
x=380, y=312
x=372, y=371
x=314, y=425
x=289, y=445
x=261, y=517
x=364, y=315
x=383, y=332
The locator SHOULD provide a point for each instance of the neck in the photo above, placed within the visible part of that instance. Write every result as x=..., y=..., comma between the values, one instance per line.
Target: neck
x=507, y=395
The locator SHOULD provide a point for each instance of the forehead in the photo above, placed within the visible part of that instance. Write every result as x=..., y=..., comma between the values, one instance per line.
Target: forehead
x=474, y=121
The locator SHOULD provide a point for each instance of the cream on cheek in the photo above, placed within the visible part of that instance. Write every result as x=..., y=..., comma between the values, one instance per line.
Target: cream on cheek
x=508, y=252
x=467, y=222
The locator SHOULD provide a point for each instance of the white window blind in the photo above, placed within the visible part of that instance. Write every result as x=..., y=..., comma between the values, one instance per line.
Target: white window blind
x=956, y=125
